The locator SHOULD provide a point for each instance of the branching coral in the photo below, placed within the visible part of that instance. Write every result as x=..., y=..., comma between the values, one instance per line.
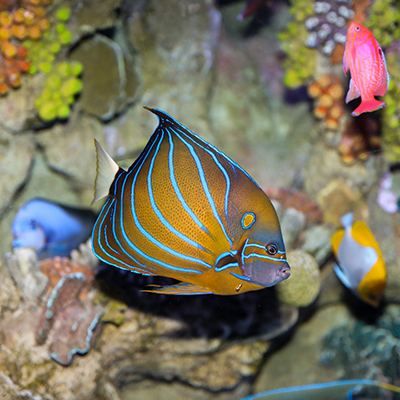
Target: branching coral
x=328, y=93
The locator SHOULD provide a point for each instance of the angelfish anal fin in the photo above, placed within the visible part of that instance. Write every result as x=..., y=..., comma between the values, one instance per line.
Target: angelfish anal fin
x=180, y=288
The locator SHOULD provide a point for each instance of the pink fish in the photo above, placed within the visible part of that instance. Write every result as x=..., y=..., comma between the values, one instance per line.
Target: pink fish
x=366, y=61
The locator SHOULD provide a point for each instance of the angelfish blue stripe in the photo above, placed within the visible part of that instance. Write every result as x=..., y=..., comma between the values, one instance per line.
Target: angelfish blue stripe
x=129, y=267
x=225, y=254
x=128, y=241
x=230, y=265
x=183, y=129
x=205, y=186
x=223, y=170
x=178, y=191
x=139, y=226
x=243, y=278
x=159, y=214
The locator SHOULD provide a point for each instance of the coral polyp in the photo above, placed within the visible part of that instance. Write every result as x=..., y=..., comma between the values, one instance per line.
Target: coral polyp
x=18, y=22
x=327, y=26
x=60, y=88
x=328, y=93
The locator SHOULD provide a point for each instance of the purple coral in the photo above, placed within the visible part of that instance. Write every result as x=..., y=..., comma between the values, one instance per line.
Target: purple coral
x=328, y=26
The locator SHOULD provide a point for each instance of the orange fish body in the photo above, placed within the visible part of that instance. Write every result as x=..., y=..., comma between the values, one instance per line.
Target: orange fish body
x=366, y=61
x=184, y=210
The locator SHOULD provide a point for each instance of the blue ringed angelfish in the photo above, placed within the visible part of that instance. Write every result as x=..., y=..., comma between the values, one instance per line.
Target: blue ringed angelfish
x=185, y=210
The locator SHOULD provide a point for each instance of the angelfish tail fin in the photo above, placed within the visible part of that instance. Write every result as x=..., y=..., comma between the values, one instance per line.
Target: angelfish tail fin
x=368, y=106
x=106, y=169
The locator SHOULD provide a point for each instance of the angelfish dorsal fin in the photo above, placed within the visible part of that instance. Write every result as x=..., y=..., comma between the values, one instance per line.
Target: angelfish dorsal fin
x=106, y=170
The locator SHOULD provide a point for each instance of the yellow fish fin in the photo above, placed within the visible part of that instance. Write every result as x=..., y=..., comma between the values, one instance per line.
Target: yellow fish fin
x=362, y=234
x=336, y=240
x=180, y=288
x=373, y=284
x=106, y=170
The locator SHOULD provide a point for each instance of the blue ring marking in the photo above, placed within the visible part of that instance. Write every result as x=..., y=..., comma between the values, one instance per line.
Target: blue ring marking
x=177, y=191
x=139, y=226
x=126, y=238
x=158, y=213
x=243, y=278
x=244, y=216
x=205, y=186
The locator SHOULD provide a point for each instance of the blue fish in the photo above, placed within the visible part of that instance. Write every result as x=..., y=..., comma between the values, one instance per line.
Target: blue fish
x=51, y=229
x=185, y=210
x=338, y=390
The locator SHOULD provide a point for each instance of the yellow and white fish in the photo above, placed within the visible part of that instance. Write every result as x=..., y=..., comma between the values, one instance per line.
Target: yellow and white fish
x=360, y=263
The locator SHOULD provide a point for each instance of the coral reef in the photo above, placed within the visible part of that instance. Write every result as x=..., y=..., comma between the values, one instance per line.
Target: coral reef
x=42, y=53
x=297, y=213
x=16, y=25
x=384, y=20
x=69, y=315
x=360, y=139
x=291, y=198
x=59, y=91
x=365, y=350
x=120, y=83
x=391, y=113
x=303, y=286
x=300, y=61
x=328, y=94
x=328, y=24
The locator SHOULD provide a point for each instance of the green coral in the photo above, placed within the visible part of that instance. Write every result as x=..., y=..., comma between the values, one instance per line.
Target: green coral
x=60, y=88
x=391, y=113
x=62, y=82
x=42, y=53
x=300, y=61
x=384, y=21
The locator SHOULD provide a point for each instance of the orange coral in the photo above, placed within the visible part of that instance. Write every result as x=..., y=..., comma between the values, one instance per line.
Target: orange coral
x=327, y=91
x=18, y=23
x=58, y=267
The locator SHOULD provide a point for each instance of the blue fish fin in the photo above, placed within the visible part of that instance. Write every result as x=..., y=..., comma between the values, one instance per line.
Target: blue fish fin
x=180, y=288
x=342, y=276
x=353, y=92
x=106, y=170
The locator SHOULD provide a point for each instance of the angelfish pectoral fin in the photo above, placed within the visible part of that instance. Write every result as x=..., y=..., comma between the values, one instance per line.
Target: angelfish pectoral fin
x=180, y=288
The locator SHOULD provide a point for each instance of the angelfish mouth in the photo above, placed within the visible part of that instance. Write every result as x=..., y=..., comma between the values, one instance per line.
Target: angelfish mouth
x=285, y=271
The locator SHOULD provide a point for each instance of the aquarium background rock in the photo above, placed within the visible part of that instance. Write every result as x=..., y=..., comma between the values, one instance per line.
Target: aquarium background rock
x=241, y=85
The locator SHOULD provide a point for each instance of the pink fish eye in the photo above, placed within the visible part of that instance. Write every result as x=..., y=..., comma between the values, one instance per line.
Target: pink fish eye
x=357, y=28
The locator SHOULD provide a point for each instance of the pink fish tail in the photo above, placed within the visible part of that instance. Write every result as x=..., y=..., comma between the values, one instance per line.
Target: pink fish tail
x=368, y=106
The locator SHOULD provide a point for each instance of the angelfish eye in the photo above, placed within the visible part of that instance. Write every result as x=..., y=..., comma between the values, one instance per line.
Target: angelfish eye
x=271, y=249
